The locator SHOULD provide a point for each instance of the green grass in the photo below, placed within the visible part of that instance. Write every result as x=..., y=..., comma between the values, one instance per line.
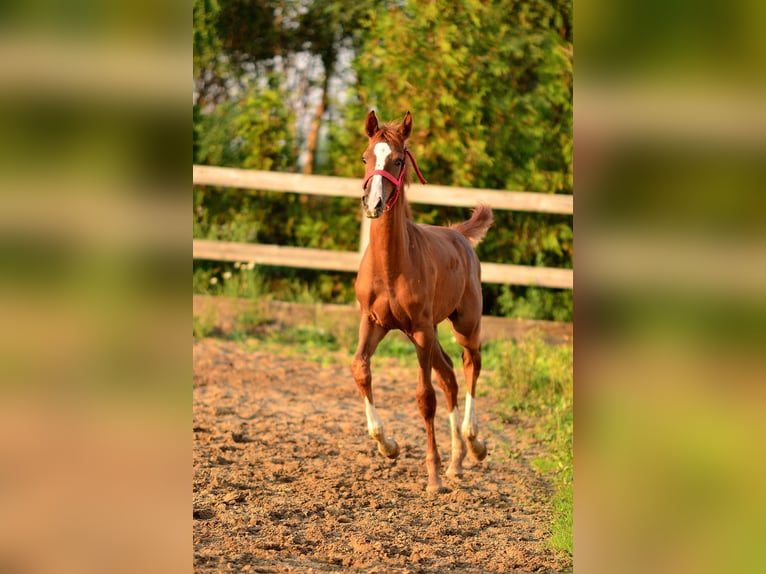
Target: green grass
x=311, y=343
x=204, y=326
x=234, y=280
x=329, y=346
x=536, y=379
x=397, y=346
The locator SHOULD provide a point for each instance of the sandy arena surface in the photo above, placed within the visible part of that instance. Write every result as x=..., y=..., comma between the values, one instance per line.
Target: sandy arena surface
x=286, y=478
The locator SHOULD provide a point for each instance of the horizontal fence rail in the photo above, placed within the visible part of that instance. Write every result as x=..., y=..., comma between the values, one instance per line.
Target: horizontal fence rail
x=302, y=257
x=352, y=187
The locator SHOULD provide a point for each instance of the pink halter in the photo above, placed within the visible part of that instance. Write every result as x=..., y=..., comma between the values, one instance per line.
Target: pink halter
x=396, y=182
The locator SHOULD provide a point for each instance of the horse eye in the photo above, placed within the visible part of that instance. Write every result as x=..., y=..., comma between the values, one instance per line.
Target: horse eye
x=364, y=159
x=399, y=162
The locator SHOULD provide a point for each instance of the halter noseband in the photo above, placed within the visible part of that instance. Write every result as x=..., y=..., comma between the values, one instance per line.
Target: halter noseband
x=396, y=182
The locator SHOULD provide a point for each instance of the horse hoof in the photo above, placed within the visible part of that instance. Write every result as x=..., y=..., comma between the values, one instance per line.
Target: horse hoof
x=437, y=489
x=478, y=449
x=389, y=448
x=456, y=472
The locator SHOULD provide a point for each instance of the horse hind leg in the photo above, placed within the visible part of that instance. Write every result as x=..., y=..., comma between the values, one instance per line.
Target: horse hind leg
x=426, y=397
x=471, y=368
x=445, y=376
x=370, y=335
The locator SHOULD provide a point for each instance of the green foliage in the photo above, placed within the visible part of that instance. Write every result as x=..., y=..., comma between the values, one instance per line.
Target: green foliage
x=397, y=346
x=311, y=343
x=248, y=325
x=234, y=280
x=537, y=380
x=307, y=338
x=249, y=30
x=490, y=88
x=535, y=303
x=255, y=132
x=252, y=131
x=535, y=376
x=206, y=43
x=203, y=326
x=285, y=219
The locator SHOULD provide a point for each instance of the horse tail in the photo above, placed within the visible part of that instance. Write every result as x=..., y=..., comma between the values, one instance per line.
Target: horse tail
x=476, y=228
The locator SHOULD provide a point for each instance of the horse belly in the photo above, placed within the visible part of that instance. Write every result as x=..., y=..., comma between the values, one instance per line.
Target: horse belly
x=448, y=294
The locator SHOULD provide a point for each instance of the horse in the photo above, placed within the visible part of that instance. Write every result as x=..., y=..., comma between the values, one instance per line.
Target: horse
x=411, y=278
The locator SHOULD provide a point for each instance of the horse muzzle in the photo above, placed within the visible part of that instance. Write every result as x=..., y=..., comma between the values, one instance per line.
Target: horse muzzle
x=373, y=201
x=372, y=212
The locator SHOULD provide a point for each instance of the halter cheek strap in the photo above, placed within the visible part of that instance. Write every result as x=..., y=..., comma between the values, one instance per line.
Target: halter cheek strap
x=397, y=183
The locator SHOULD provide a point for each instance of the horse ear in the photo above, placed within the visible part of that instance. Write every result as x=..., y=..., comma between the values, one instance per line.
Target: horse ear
x=371, y=127
x=406, y=128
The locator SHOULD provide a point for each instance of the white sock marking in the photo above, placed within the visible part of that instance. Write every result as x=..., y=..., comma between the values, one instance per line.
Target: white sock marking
x=457, y=440
x=374, y=426
x=471, y=421
x=454, y=421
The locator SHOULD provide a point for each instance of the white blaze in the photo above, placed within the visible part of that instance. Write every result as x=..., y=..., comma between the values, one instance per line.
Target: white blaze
x=381, y=150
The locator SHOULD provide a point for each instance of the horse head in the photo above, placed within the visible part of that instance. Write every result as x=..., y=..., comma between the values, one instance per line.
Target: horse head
x=385, y=161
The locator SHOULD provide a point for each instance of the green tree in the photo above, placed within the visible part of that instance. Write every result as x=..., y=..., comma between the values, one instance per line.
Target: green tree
x=206, y=45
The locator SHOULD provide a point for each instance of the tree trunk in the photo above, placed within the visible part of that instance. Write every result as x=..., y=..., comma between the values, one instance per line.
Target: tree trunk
x=313, y=135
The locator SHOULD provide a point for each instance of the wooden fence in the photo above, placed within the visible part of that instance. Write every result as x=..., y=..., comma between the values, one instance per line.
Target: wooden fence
x=285, y=256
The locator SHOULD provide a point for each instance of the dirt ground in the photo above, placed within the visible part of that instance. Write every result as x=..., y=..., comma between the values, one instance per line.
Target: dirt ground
x=286, y=478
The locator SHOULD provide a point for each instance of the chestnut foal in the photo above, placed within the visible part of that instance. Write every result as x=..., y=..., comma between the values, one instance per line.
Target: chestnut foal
x=411, y=278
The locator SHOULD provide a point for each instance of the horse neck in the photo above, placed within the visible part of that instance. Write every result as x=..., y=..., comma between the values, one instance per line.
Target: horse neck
x=389, y=239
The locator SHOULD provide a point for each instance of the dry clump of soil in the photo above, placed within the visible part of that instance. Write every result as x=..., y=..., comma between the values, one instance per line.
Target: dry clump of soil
x=286, y=478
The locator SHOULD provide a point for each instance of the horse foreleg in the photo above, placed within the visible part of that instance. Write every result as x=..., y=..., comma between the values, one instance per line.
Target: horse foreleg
x=426, y=397
x=370, y=335
x=386, y=445
x=445, y=376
